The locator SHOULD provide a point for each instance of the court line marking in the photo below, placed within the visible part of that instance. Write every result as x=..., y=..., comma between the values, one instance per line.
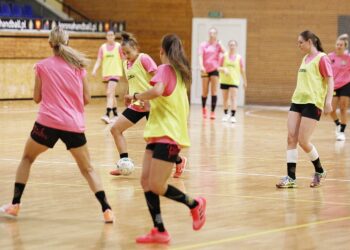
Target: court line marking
x=97, y=165
x=266, y=232
x=110, y=188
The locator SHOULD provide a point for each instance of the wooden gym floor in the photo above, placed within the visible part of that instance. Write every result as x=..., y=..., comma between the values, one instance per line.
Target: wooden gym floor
x=235, y=167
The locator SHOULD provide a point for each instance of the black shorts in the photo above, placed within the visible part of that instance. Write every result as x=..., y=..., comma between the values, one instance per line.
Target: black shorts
x=307, y=110
x=111, y=80
x=227, y=86
x=164, y=151
x=134, y=116
x=211, y=73
x=343, y=91
x=49, y=136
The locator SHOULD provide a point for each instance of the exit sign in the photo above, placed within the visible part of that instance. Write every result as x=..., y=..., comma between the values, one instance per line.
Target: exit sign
x=215, y=14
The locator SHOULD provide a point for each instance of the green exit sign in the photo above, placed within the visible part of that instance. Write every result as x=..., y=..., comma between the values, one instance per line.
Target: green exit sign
x=215, y=14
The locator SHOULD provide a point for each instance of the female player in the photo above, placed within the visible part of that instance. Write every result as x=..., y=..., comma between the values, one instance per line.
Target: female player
x=209, y=56
x=313, y=94
x=231, y=69
x=340, y=61
x=62, y=90
x=139, y=69
x=165, y=134
x=110, y=55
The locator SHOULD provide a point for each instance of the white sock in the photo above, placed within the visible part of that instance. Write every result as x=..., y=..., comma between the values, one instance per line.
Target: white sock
x=292, y=155
x=313, y=154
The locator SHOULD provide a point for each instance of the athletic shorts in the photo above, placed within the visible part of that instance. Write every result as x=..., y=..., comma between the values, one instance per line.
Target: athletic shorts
x=164, y=151
x=211, y=73
x=134, y=116
x=49, y=136
x=307, y=110
x=227, y=86
x=111, y=80
x=343, y=91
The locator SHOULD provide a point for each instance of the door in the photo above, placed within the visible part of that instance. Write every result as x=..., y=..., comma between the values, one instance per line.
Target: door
x=228, y=29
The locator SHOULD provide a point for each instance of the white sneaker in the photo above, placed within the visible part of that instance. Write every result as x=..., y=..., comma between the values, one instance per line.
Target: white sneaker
x=226, y=118
x=113, y=119
x=105, y=119
x=337, y=129
x=341, y=136
x=233, y=119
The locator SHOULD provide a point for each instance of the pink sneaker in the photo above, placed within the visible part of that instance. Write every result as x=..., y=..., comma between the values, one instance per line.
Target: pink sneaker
x=204, y=112
x=180, y=167
x=10, y=209
x=108, y=216
x=115, y=172
x=154, y=237
x=212, y=115
x=198, y=213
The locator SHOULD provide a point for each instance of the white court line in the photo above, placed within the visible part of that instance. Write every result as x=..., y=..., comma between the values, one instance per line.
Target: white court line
x=187, y=170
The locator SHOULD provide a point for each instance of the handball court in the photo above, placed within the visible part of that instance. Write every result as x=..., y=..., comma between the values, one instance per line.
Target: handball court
x=235, y=166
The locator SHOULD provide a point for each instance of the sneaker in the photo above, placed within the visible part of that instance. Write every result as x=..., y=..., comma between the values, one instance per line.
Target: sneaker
x=105, y=119
x=154, y=237
x=341, y=136
x=337, y=129
x=10, y=209
x=115, y=172
x=114, y=119
x=198, y=213
x=233, y=119
x=226, y=118
x=108, y=216
x=286, y=182
x=212, y=115
x=316, y=182
x=204, y=112
x=180, y=167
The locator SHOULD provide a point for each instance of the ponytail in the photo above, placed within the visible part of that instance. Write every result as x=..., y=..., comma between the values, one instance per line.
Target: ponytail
x=308, y=35
x=174, y=50
x=59, y=38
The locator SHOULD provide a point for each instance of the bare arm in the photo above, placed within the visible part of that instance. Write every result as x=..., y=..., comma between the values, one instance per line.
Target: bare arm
x=329, y=96
x=244, y=76
x=37, y=90
x=96, y=66
x=201, y=65
x=150, y=94
x=86, y=91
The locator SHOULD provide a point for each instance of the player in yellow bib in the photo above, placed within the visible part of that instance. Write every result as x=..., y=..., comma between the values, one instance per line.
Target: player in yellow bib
x=230, y=71
x=313, y=94
x=166, y=133
x=139, y=68
x=110, y=56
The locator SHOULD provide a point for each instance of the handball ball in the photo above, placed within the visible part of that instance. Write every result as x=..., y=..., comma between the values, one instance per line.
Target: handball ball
x=125, y=166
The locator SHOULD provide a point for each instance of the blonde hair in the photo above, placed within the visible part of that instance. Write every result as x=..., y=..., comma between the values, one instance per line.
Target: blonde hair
x=58, y=39
x=345, y=38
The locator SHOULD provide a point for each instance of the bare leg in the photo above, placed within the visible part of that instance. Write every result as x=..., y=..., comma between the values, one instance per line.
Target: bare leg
x=121, y=124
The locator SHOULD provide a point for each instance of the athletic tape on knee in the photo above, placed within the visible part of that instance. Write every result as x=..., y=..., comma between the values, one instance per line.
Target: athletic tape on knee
x=313, y=154
x=292, y=155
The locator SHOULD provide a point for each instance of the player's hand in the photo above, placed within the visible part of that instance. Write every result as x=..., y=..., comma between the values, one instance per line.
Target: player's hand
x=128, y=99
x=328, y=108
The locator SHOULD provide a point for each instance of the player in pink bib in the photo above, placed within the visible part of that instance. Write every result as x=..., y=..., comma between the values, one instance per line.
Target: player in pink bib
x=62, y=90
x=340, y=61
x=209, y=57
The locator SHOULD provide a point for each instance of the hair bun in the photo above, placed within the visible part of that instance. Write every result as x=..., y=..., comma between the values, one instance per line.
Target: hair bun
x=125, y=36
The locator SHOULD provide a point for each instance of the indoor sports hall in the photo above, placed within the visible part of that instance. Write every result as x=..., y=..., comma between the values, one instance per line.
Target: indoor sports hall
x=202, y=124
